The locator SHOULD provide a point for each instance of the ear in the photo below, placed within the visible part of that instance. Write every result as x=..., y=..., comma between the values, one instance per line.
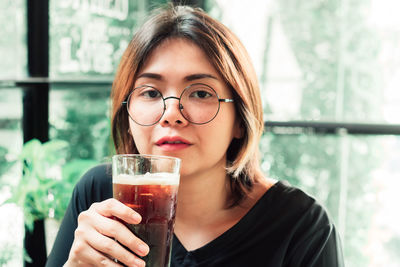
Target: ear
x=130, y=127
x=238, y=129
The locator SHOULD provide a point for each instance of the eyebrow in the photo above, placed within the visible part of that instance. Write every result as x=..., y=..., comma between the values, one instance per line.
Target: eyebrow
x=188, y=78
x=150, y=75
x=199, y=76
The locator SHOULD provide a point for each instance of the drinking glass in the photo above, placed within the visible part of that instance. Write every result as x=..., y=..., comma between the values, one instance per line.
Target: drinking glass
x=149, y=185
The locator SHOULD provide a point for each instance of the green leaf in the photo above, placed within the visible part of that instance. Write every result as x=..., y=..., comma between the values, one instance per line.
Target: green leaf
x=47, y=181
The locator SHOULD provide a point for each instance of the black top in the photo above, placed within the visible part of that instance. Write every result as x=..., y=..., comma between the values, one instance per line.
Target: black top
x=285, y=227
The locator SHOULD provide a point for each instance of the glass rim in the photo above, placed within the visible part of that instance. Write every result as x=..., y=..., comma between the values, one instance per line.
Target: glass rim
x=147, y=156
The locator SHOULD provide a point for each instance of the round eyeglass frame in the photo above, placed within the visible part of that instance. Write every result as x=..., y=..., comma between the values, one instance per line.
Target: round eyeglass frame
x=224, y=100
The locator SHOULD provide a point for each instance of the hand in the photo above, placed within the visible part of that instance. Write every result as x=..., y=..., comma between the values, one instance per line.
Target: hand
x=95, y=237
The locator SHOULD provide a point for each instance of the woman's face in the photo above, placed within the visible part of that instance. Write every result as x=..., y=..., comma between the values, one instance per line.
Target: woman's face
x=171, y=67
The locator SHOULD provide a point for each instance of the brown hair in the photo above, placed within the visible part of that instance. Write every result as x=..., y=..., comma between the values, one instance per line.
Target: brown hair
x=230, y=59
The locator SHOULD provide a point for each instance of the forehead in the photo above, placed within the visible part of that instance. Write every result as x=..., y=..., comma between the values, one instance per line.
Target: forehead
x=175, y=56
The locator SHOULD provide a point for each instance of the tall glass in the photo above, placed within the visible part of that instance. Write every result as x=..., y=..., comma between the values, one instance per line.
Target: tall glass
x=149, y=185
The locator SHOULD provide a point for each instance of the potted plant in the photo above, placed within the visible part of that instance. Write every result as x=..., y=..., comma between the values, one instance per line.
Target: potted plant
x=45, y=187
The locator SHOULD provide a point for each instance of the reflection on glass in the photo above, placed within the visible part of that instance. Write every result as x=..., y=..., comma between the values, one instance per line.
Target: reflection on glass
x=89, y=37
x=355, y=178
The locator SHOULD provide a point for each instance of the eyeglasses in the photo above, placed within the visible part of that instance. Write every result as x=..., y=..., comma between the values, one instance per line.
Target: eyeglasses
x=198, y=104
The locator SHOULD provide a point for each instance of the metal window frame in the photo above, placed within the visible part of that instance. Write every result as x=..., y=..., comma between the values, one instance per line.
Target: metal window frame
x=35, y=114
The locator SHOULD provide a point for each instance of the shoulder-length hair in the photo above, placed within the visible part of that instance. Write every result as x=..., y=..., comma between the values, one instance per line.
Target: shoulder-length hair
x=230, y=59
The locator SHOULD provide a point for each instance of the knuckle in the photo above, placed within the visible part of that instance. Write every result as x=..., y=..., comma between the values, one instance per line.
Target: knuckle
x=104, y=261
x=95, y=205
x=77, y=249
x=111, y=203
x=112, y=231
x=79, y=232
x=83, y=216
x=109, y=246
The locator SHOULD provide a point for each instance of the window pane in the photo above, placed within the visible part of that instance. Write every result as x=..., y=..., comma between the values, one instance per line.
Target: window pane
x=355, y=178
x=12, y=39
x=11, y=219
x=321, y=60
x=89, y=37
x=80, y=116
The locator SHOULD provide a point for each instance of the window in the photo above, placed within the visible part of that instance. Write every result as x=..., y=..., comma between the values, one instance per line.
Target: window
x=79, y=114
x=86, y=41
x=331, y=63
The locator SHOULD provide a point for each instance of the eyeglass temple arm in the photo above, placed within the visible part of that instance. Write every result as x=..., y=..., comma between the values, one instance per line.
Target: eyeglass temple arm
x=226, y=100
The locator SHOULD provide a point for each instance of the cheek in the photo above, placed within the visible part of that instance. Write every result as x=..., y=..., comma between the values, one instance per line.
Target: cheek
x=217, y=138
x=141, y=136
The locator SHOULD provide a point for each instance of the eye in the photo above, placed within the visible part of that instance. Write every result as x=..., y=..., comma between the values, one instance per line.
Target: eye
x=201, y=94
x=149, y=93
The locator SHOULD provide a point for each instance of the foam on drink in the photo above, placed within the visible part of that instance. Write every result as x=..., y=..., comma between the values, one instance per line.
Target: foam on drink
x=159, y=178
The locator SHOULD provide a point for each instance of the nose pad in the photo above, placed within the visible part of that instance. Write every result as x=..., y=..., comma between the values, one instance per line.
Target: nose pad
x=172, y=114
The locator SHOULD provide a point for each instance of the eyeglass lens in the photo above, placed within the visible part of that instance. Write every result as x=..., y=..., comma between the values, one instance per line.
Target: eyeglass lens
x=199, y=104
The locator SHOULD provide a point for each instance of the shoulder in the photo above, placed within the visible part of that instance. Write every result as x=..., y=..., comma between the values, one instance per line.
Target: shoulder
x=296, y=204
x=291, y=209
x=95, y=185
x=299, y=225
x=314, y=239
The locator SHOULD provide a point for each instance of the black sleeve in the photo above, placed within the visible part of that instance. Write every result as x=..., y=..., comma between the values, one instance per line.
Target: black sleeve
x=95, y=186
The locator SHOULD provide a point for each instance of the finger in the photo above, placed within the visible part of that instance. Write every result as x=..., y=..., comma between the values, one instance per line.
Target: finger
x=115, y=229
x=112, y=207
x=110, y=247
x=84, y=255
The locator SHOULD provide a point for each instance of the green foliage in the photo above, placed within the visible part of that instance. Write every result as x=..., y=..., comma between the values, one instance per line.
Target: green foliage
x=85, y=125
x=47, y=181
x=337, y=55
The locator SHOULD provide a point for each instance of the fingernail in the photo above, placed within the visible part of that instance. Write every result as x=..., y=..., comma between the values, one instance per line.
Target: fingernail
x=139, y=262
x=144, y=249
x=137, y=217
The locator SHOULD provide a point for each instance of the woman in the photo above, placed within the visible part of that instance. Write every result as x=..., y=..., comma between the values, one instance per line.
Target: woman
x=228, y=213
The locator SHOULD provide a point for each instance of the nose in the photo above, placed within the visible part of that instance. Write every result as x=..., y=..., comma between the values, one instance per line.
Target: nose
x=172, y=114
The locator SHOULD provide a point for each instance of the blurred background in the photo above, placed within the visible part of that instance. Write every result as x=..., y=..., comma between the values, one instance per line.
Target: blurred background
x=330, y=78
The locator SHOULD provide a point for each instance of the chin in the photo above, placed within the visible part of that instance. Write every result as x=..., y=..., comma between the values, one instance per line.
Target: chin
x=186, y=170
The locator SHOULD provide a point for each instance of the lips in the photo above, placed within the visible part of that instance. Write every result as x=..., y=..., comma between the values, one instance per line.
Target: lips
x=172, y=143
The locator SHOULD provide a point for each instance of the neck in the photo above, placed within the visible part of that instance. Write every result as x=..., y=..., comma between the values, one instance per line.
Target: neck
x=202, y=196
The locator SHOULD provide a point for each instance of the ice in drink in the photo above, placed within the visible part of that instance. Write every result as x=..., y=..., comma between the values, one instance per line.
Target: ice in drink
x=153, y=196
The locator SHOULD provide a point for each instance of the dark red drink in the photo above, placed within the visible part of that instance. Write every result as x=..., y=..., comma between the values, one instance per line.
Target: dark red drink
x=155, y=201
